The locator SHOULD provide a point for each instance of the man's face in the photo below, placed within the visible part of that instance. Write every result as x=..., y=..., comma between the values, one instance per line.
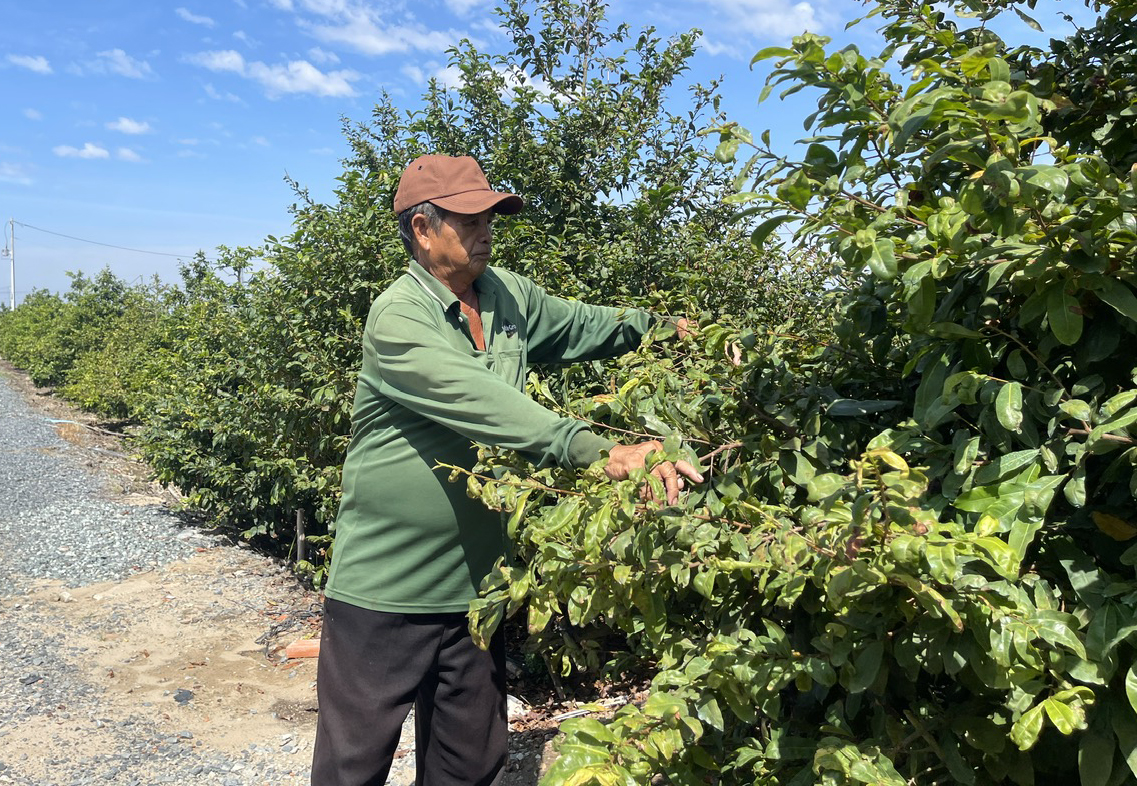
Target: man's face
x=460, y=249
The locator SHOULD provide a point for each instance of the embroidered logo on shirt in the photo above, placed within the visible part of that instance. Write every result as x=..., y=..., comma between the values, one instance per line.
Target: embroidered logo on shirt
x=509, y=329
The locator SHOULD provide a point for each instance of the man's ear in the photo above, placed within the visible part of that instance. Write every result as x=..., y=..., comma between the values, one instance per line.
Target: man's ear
x=420, y=228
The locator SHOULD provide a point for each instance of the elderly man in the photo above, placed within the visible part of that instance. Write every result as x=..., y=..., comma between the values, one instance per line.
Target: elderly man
x=445, y=353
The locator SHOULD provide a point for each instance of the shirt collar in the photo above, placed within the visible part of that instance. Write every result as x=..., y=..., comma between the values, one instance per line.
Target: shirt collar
x=432, y=286
x=439, y=292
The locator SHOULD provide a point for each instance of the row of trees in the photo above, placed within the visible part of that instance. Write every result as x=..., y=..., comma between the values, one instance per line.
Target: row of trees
x=912, y=560
x=241, y=393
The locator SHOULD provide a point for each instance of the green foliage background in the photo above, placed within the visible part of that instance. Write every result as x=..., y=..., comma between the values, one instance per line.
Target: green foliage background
x=912, y=561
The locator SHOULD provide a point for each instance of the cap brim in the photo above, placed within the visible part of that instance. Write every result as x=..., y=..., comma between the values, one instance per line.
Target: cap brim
x=478, y=201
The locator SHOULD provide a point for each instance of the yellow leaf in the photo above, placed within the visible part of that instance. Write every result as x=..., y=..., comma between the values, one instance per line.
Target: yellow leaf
x=1116, y=528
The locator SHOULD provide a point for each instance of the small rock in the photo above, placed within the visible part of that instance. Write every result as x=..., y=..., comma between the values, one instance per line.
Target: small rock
x=31, y=679
x=183, y=696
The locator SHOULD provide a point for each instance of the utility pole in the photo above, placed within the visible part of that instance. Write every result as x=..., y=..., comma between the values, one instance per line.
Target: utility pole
x=11, y=254
x=12, y=270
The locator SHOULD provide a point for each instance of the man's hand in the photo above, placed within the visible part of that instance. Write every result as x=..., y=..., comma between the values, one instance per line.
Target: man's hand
x=683, y=328
x=622, y=459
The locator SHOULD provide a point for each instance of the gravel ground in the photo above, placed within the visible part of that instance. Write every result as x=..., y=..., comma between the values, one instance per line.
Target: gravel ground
x=127, y=653
x=63, y=526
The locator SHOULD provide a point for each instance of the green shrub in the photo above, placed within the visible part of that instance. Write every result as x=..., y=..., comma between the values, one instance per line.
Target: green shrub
x=913, y=560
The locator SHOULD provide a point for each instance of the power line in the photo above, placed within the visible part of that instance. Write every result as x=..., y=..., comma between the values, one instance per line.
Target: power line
x=97, y=243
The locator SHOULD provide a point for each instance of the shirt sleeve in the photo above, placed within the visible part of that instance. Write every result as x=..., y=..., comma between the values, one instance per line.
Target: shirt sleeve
x=566, y=331
x=420, y=370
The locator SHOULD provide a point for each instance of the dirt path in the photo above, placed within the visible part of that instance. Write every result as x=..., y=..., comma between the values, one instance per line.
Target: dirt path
x=175, y=674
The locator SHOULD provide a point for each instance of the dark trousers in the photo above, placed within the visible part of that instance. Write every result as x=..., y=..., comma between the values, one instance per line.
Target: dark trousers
x=374, y=665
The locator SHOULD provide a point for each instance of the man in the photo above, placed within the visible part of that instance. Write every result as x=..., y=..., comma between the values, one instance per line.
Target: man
x=445, y=353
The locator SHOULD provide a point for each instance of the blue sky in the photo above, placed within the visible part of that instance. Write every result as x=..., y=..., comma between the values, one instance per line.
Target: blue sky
x=170, y=128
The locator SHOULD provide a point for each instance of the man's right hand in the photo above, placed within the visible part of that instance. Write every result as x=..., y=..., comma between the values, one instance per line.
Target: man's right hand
x=622, y=459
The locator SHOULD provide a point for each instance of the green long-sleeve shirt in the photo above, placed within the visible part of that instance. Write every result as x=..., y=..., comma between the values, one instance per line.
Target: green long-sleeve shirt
x=406, y=539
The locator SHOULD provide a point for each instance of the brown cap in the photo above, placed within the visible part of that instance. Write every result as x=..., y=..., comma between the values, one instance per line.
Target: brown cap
x=455, y=184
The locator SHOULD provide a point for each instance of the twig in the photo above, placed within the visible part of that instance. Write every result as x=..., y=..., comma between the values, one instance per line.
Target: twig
x=720, y=449
x=1082, y=432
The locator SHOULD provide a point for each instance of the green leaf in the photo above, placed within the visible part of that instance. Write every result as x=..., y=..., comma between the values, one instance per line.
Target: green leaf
x=1022, y=534
x=1119, y=296
x=847, y=407
x=1062, y=715
x=825, y=485
x=771, y=51
x=1056, y=627
x=1009, y=406
x=1035, y=26
x=588, y=727
x=1131, y=686
x=1049, y=178
x=1026, y=729
x=1064, y=315
x=965, y=455
x=709, y=712
x=1077, y=409
x=1003, y=466
x=1002, y=556
x=882, y=260
x=796, y=190
x=763, y=230
x=515, y=518
x=866, y=667
x=726, y=150
x=952, y=330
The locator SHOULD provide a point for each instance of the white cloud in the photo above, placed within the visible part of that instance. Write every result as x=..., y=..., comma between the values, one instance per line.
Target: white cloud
x=716, y=48
x=189, y=141
x=449, y=77
x=217, y=95
x=260, y=141
x=245, y=38
x=116, y=61
x=365, y=26
x=322, y=56
x=128, y=126
x=189, y=16
x=446, y=76
x=365, y=34
x=14, y=173
x=463, y=7
x=37, y=63
x=329, y=7
x=126, y=154
x=87, y=151
x=772, y=18
x=225, y=60
x=33, y=114
x=413, y=73
x=296, y=76
x=190, y=154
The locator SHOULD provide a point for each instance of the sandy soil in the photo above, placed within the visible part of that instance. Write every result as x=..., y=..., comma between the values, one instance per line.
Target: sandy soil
x=209, y=631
